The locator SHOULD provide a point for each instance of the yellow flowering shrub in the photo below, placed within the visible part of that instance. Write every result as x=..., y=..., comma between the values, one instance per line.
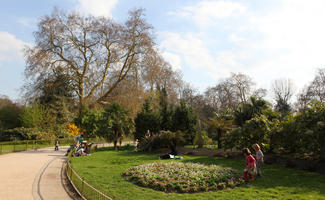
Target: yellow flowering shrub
x=73, y=130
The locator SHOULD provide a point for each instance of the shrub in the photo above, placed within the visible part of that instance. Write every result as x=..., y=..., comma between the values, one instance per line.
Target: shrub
x=183, y=177
x=202, y=138
x=164, y=139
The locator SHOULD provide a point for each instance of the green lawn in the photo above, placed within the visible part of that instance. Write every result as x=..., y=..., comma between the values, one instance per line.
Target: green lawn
x=103, y=170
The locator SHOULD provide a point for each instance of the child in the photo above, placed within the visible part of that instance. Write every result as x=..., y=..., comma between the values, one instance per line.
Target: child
x=250, y=165
x=259, y=158
x=136, y=142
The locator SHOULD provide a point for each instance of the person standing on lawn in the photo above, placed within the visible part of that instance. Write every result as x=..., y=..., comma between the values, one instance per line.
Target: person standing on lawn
x=136, y=143
x=259, y=158
x=250, y=165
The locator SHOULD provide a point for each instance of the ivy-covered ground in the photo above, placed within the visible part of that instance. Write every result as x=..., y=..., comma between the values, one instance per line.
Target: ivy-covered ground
x=104, y=170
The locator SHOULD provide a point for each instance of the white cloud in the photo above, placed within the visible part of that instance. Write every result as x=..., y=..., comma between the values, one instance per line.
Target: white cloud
x=292, y=41
x=236, y=39
x=173, y=59
x=207, y=11
x=10, y=47
x=189, y=47
x=195, y=55
x=97, y=7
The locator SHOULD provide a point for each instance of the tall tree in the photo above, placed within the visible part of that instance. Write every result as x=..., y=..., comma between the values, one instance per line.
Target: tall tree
x=243, y=86
x=9, y=114
x=115, y=124
x=166, y=111
x=147, y=119
x=217, y=127
x=95, y=52
x=314, y=91
x=185, y=120
x=283, y=90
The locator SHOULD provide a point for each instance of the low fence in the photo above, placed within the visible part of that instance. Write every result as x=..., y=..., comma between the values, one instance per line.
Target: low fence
x=23, y=145
x=85, y=190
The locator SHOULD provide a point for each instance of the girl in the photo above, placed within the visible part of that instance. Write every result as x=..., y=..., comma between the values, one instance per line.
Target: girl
x=250, y=165
x=259, y=158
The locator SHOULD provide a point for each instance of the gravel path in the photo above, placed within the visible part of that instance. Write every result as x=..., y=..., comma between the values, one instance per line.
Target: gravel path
x=33, y=175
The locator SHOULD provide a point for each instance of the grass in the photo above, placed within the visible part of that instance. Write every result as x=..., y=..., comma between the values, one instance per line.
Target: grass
x=104, y=168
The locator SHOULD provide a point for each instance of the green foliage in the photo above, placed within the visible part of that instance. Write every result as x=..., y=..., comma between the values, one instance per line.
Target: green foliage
x=185, y=120
x=166, y=113
x=115, y=123
x=55, y=87
x=261, y=128
x=283, y=106
x=246, y=111
x=89, y=120
x=164, y=139
x=218, y=126
x=201, y=139
x=9, y=116
x=60, y=112
x=305, y=131
x=147, y=119
x=20, y=133
x=36, y=116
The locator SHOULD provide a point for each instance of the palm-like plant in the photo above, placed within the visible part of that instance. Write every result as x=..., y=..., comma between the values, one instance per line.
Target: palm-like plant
x=115, y=124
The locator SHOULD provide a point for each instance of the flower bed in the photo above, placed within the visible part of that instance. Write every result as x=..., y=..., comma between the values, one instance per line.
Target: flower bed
x=183, y=177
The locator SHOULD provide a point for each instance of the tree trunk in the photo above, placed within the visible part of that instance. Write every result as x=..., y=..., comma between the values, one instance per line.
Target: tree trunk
x=115, y=140
x=219, y=139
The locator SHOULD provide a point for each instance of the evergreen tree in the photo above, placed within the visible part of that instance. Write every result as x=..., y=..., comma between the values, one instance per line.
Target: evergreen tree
x=147, y=119
x=115, y=124
x=185, y=120
x=165, y=111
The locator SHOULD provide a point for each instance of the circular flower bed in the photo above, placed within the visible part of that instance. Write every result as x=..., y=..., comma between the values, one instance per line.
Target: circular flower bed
x=183, y=177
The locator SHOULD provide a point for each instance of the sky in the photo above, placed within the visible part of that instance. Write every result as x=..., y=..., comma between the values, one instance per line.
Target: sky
x=204, y=39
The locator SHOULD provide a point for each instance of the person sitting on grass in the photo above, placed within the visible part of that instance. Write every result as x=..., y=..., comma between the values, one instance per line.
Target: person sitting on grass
x=250, y=165
x=172, y=154
x=259, y=158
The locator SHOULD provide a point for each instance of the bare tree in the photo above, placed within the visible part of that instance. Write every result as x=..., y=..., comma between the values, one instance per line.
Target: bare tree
x=303, y=99
x=283, y=90
x=317, y=87
x=158, y=74
x=315, y=91
x=243, y=86
x=95, y=52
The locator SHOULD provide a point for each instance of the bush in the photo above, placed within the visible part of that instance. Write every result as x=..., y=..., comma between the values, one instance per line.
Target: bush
x=183, y=177
x=164, y=139
x=21, y=133
x=202, y=138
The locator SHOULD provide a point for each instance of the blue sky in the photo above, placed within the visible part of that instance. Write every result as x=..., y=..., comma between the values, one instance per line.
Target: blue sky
x=206, y=40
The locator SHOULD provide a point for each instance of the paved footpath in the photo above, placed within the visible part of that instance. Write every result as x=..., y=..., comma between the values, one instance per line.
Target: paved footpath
x=33, y=175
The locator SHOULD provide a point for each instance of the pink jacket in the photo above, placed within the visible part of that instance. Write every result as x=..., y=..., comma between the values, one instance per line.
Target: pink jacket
x=250, y=161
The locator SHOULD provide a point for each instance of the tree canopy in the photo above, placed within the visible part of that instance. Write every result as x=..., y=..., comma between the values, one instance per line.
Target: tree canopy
x=96, y=53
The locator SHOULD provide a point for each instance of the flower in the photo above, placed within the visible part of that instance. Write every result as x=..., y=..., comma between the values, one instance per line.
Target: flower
x=181, y=177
